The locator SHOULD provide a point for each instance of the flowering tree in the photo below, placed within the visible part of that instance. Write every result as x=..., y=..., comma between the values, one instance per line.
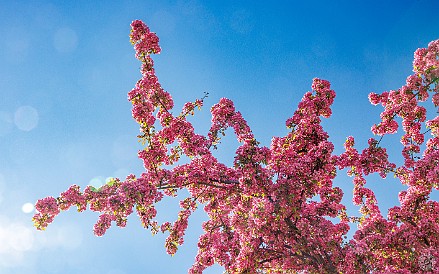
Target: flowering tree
x=276, y=209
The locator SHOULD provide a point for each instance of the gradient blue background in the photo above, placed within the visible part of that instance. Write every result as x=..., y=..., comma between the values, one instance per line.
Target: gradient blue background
x=65, y=69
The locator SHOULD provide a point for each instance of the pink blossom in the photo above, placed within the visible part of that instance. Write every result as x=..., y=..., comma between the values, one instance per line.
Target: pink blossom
x=276, y=208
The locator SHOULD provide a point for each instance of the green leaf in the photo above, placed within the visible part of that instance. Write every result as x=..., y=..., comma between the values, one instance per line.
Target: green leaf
x=111, y=182
x=92, y=188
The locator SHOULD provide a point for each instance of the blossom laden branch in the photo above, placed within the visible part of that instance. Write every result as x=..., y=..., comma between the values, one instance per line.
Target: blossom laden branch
x=275, y=209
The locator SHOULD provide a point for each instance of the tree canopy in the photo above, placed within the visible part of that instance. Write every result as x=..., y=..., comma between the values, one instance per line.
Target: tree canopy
x=275, y=210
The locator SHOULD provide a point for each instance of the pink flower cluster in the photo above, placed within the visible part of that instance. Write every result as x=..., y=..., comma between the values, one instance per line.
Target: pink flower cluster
x=275, y=210
x=144, y=41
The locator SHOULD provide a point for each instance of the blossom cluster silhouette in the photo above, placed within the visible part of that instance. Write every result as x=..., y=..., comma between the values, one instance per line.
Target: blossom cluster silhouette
x=275, y=210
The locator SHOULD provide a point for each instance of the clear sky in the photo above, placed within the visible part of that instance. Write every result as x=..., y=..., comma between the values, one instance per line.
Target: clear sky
x=66, y=67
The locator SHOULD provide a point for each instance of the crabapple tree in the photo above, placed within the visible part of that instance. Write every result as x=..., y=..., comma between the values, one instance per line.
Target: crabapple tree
x=275, y=210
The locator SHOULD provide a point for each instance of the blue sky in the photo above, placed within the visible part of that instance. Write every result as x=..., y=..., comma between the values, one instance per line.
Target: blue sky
x=66, y=67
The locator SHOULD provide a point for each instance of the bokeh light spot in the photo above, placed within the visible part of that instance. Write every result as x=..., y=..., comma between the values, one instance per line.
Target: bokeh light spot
x=26, y=118
x=21, y=237
x=97, y=181
x=65, y=40
x=27, y=208
x=15, y=240
x=121, y=173
x=70, y=237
